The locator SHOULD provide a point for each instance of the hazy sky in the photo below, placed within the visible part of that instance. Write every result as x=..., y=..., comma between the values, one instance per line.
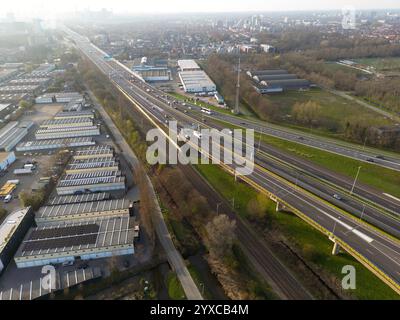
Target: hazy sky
x=35, y=7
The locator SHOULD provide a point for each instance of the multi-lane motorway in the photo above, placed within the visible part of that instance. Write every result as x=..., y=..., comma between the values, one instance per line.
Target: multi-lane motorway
x=378, y=252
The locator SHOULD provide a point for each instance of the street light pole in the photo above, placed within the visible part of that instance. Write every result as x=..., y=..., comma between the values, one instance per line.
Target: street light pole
x=218, y=204
x=362, y=213
x=355, y=180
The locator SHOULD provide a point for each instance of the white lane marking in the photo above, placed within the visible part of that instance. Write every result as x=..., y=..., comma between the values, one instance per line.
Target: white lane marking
x=390, y=196
x=355, y=231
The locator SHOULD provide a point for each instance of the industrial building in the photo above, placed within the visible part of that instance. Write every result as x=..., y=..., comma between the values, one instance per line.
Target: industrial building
x=13, y=97
x=274, y=77
x=84, y=239
x=275, y=81
x=79, y=198
x=12, y=133
x=74, y=105
x=84, y=210
x=12, y=231
x=29, y=81
x=30, y=89
x=188, y=65
x=42, y=71
x=74, y=115
x=45, y=134
x=253, y=74
x=96, y=160
x=100, y=184
x=101, y=151
x=6, y=74
x=151, y=73
x=62, y=123
x=88, y=175
x=6, y=158
x=196, y=82
x=54, y=144
x=6, y=109
x=60, y=97
x=92, y=166
x=288, y=84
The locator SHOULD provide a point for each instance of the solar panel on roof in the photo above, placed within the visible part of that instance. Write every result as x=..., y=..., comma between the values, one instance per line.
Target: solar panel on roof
x=40, y=234
x=60, y=242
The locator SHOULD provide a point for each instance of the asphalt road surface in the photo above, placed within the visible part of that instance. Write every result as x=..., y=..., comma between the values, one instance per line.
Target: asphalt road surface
x=379, y=252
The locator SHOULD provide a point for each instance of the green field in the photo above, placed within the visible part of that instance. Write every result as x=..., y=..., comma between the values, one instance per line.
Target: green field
x=333, y=66
x=335, y=111
x=175, y=290
x=381, y=64
x=314, y=246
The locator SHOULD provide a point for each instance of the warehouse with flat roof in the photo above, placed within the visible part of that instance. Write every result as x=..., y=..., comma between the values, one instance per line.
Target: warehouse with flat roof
x=83, y=210
x=13, y=97
x=73, y=115
x=196, y=82
x=100, y=184
x=188, y=65
x=93, y=174
x=12, y=133
x=64, y=123
x=100, y=151
x=79, y=198
x=29, y=81
x=86, y=239
x=50, y=144
x=59, y=97
x=19, y=89
x=92, y=166
x=12, y=231
x=43, y=134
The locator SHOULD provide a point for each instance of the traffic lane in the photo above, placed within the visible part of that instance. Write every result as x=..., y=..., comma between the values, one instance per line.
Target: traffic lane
x=368, y=214
x=310, y=142
x=383, y=253
x=364, y=191
x=374, y=196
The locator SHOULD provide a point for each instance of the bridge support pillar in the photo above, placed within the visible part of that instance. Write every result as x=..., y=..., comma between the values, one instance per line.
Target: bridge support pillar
x=336, y=248
x=279, y=206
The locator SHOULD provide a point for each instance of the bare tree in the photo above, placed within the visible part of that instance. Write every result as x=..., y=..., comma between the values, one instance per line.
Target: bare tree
x=221, y=236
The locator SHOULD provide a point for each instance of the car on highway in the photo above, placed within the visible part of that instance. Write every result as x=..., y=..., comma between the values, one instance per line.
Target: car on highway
x=337, y=197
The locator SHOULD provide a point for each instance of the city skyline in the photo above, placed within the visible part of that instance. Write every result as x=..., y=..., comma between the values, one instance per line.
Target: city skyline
x=23, y=8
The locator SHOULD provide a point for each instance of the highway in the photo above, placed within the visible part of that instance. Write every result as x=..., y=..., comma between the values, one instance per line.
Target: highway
x=376, y=251
x=367, y=155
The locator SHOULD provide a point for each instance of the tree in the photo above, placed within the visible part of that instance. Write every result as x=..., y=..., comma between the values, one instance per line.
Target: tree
x=258, y=206
x=307, y=113
x=220, y=236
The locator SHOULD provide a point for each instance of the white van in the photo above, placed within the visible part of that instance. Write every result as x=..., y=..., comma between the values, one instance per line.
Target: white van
x=7, y=198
